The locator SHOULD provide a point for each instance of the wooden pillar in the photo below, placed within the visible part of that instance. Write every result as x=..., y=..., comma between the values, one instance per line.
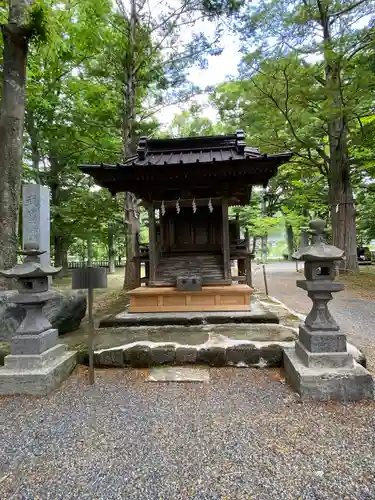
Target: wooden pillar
x=226, y=244
x=152, y=243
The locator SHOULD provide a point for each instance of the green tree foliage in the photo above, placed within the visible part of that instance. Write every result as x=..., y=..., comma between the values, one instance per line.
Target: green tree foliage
x=74, y=109
x=314, y=106
x=191, y=122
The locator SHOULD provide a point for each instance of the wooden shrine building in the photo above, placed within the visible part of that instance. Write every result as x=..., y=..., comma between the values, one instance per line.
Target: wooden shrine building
x=187, y=186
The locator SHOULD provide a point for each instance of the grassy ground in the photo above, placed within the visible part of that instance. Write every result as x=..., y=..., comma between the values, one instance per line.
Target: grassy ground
x=360, y=285
x=110, y=300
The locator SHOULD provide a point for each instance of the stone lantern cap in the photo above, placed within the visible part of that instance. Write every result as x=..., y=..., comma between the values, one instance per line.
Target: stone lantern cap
x=31, y=267
x=319, y=250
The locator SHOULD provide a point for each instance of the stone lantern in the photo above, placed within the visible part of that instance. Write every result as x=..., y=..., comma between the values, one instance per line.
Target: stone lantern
x=37, y=363
x=319, y=366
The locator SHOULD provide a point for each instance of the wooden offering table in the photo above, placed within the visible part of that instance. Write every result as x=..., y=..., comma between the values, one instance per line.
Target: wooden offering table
x=209, y=298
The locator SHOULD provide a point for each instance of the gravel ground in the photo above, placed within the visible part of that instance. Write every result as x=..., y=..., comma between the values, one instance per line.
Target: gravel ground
x=244, y=435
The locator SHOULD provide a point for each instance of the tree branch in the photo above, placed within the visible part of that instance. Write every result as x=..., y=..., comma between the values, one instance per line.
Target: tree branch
x=348, y=9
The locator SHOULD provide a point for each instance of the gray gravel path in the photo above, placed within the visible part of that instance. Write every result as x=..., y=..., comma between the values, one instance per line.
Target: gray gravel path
x=242, y=436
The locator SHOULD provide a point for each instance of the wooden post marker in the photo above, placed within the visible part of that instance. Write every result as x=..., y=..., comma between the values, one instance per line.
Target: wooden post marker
x=265, y=279
x=88, y=279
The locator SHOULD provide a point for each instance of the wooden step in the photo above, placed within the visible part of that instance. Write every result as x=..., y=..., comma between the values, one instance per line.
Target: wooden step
x=210, y=267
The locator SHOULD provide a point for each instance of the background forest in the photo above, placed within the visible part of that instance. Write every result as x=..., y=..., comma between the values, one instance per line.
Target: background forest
x=100, y=73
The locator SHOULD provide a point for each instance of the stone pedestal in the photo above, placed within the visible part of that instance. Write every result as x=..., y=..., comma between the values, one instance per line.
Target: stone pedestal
x=346, y=383
x=319, y=367
x=35, y=374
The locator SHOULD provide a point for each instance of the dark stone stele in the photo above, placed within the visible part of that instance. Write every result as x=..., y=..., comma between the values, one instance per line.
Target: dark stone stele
x=65, y=310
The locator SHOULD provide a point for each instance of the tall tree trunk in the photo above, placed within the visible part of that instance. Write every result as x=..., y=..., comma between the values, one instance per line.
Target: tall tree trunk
x=65, y=265
x=61, y=241
x=344, y=233
x=111, y=250
x=32, y=131
x=12, y=116
x=132, y=274
x=290, y=240
x=60, y=255
x=254, y=245
x=58, y=250
x=89, y=250
x=128, y=121
x=264, y=248
x=129, y=148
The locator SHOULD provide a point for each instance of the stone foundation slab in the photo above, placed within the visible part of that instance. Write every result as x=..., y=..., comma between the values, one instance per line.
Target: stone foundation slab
x=323, y=384
x=37, y=382
x=33, y=361
x=258, y=314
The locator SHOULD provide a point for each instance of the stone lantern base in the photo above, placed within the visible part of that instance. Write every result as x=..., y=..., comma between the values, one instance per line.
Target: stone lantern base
x=36, y=366
x=327, y=376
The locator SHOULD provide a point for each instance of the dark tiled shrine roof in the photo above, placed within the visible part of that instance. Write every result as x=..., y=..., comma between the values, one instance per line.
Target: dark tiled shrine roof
x=193, y=150
x=213, y=165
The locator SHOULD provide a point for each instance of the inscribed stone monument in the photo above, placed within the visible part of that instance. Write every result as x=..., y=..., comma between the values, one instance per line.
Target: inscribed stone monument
x=36, y=219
